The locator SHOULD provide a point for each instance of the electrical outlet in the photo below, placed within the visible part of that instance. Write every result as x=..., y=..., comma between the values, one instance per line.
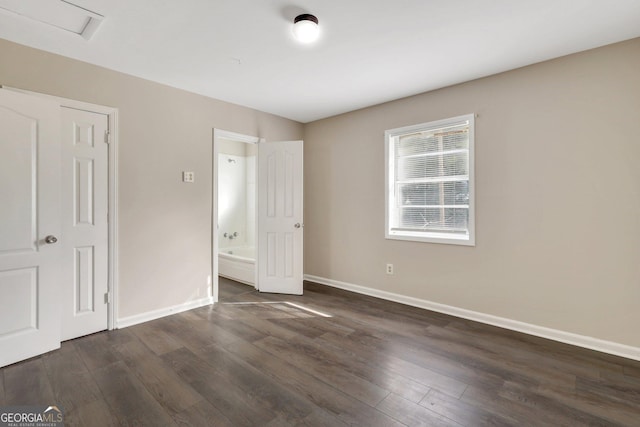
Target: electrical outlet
x=188, y=177
x=389, y=268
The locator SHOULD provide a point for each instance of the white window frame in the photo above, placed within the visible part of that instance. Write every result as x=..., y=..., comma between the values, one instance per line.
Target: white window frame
x=428, y=236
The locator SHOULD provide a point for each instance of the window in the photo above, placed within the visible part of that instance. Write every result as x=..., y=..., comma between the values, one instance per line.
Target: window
x=430, y=182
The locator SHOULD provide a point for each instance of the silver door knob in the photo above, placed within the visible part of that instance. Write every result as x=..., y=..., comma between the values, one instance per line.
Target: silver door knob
x=50, y=239
x=297, y=225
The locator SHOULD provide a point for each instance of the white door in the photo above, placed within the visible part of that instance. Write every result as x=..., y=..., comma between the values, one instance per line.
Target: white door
x=280, y=227
x=84, y=222
x=30, y=258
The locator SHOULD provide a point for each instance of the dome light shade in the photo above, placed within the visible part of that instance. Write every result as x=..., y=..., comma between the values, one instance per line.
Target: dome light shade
x=305, y=28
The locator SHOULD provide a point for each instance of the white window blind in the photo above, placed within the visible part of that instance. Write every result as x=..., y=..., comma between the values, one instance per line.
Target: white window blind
x=429, y=171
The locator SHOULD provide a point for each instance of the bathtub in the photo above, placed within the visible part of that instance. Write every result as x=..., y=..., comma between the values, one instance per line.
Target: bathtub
x=238, y=264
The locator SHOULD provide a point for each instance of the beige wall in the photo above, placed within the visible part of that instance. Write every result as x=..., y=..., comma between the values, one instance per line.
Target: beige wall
x=557, y=192
x=165, y=225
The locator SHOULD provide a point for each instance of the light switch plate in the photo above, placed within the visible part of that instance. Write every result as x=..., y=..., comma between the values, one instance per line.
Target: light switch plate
x=188, y=177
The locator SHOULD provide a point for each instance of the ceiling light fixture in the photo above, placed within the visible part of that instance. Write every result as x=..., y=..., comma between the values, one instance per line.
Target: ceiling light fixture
x=305, y=28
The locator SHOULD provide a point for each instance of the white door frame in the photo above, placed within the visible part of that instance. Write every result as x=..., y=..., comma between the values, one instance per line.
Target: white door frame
x=112, y=113
x=219, y=134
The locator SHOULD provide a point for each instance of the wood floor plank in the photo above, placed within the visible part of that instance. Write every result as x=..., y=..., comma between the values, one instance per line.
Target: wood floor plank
x=631, y=371
x=167, y=388
x=488, y=399
x=362, y=366
x=611, y=391
x=604, y=411
x=324, y=370
x=228, y=288
x=27, y=383
x=564, y=357
x=72, y=383
x=129, y=401
x=227, y=397
x=261, y=389
x=464, y=413
x=267, y=329
x=94, y=414
x=421, y=380
x=312, y=327
x=555, y=411
x=234, y=326
x=346, y=408
x=506, y=364
x=201, y=333
x=154, y=337
x=442, y=357
x=621, y=379
x=96, y=350
x=530, y=408
x=416, y=364
x=413, y=414
x=2, y=389
x=492, y=348
x=202, y=414
x=317, y=418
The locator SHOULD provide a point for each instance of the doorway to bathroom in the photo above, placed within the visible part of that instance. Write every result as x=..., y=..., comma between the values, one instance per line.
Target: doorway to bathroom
x=237, y=210
x=257, y=221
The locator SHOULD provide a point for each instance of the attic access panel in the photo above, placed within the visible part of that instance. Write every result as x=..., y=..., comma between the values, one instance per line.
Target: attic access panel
x=61, y=14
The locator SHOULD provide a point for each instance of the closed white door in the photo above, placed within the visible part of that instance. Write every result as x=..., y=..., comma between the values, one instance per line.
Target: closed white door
x=84, y=222
x=280, y=227
x=30, y=255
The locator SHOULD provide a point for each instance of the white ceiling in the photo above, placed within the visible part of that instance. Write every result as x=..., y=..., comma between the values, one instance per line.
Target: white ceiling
x=370, y=51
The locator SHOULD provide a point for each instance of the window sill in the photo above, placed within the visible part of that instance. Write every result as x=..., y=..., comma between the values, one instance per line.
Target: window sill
x=441, y=238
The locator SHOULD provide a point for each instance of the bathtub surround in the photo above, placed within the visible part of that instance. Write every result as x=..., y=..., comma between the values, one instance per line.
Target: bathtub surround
x=232, y=201
x=236, y=194
x=236, y=210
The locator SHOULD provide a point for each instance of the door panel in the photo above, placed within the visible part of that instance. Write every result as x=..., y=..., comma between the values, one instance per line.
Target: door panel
x=20, y=310
x=83, y=192
x=84, y=283
x=280, y=217
x=19, y=154
x=84, y=207
x=30, y=211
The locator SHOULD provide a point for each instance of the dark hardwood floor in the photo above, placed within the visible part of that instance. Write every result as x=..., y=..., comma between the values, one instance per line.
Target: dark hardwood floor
x=328, y=358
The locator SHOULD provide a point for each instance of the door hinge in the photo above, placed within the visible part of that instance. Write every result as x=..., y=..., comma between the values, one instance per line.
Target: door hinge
x=106, y=136
x=107, y=298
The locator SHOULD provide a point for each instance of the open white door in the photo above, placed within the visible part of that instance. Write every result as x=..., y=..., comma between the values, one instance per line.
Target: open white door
x=280, y=227
x=84, y=211
x=29, y=226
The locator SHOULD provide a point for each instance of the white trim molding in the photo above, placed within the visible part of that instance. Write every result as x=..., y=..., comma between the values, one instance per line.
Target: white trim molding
x=591, y=343
x=125, y=322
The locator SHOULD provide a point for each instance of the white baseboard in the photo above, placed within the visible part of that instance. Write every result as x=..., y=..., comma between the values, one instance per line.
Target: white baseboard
x=162, y=312
x=604, y=346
